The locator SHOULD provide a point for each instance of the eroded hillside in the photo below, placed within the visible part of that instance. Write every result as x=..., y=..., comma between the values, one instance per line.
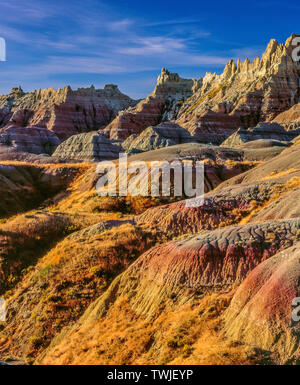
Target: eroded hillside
x=148, y=279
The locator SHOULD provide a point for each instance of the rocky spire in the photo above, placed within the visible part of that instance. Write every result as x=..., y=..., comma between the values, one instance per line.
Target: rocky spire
x=166, y=76
x=16, y=91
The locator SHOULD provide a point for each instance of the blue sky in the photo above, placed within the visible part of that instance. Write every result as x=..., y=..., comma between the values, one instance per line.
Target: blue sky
x=54, y=43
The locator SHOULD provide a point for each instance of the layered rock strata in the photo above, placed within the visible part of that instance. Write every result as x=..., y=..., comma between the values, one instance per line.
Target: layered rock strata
x=244, y=94
x=152, y=138
x=271, y=131
x=261, y=312
x=91, y=147
x=35, y=140
x=163, y=104
x=63, y=111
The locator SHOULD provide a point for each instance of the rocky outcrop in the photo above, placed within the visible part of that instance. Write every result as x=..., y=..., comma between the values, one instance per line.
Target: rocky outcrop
x=244, y=94
x=152, y=138
x=261, y=310
x=177, y=273
x=222, y=208
x=271, y=131
x=213, y=107
x=63, y=111
x=163, y=104
x=290, y=119
x=212, y=127
x=179, y=270
x=91, y=147
x=283, y=166
x=233, y=200
x=31, y=139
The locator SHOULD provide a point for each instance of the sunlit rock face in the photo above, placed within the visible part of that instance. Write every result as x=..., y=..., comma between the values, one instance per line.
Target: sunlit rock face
x=163, y=104
x=213, y=107
x=290, y=119
x=63, y=111
x=244, y=94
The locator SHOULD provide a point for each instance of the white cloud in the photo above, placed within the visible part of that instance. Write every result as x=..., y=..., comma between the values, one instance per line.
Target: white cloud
x=30, y=10
x=172, y=22
x=13, y=34
x=120, y=25
x=88, y=42
x=152, y=45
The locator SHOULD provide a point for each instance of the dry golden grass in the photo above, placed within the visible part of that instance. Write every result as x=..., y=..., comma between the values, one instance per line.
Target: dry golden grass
x=80, y=166
x=65, y=281
x=279, y=174
x=293, y=183
x=26, y=237
x=246, y=163
x=66, y=274
x=278, y=192
x=83, y=197
x=191, y=334
x=44, y=223
x=124, y=241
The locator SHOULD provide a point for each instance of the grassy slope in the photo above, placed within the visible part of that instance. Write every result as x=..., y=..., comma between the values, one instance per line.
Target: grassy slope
x=64, y=275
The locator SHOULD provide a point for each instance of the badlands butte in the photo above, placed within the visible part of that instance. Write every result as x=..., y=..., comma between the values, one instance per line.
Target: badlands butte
x=149, y=280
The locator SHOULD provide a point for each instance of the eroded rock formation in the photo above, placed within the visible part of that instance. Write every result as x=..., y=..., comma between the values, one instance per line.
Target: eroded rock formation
x=92, y=147
x=163, y=104
x=63, y=111
x=234, y=199
x=272, y=131
x=164, y=135
x=213, y=107
x=244, y=94
x=168, y=276
x=177, y=271
x=290, y=119
x=261, y=310
x=35, y=140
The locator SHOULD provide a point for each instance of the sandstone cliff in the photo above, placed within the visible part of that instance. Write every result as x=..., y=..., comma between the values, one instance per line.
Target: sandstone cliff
x=244, y=94
x=214, y=106
x=163, y=104
x=63, y=111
